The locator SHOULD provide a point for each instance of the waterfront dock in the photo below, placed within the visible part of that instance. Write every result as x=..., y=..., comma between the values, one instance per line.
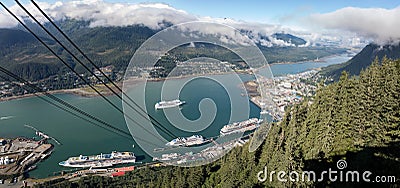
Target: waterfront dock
x=42, y=134
x=20, y=155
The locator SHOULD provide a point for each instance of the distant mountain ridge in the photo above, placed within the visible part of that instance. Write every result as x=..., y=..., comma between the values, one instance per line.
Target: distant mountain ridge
x=275, y=39
x=289, y=38
x=22, y=54
x=10, y=37
x=363, y=59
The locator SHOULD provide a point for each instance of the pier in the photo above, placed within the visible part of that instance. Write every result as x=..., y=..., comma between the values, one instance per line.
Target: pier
x=42, y=134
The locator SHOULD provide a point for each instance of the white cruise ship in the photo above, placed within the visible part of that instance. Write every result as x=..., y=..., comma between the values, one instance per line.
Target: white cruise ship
x=168, y=104
x=99, y=161
x=243, y=126
x=188, y=141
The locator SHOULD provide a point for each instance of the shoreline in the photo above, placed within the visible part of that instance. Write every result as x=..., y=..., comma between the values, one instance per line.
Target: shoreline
x=83, y=92
x=320, y=60
x=75, y=91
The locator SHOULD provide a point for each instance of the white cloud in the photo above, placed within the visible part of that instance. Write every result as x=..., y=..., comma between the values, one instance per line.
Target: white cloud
x=102, y=13
x=6, y=21
x=382, y=25
x=155, y=15
x=118, y=14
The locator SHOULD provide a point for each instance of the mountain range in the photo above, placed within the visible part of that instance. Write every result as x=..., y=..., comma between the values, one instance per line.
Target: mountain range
x=22, y=54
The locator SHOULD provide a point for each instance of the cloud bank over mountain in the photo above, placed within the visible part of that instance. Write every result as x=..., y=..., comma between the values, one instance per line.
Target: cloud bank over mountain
x=100, y=13
x=153, y=15
x=381, y=25
x=378, y=24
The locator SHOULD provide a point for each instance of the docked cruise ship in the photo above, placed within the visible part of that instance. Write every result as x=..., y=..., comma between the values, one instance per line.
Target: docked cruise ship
x=99, y=161
x=243, y=126
x=168, y=104
x=188, y=141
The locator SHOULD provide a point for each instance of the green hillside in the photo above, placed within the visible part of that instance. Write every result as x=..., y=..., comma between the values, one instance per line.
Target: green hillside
x=355, y=119
x=363, y=59
x=11, y=37
x=22, y=54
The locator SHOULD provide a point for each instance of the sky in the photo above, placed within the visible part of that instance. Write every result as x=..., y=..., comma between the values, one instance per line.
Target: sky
x=270, y=11
x=259, y=10
x=354, y=21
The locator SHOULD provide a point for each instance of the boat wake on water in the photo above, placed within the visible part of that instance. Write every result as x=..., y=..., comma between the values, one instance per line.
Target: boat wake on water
x=6, y=117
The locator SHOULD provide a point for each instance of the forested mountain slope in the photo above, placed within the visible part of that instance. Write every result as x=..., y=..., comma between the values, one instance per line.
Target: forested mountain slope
x=363, y=59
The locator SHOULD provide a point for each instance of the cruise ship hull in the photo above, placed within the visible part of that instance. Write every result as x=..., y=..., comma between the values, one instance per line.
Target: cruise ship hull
x=189, y=141
x=93, y=165
x=240, y=127
x=99, y=161
x=249, y=128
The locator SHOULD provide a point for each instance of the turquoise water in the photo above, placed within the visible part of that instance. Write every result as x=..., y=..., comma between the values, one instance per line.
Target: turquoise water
x=77, y=136
x=80, y=137
x=293, y=68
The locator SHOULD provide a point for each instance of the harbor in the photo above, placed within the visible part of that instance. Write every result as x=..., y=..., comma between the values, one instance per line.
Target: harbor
x=235, y=134
x=79, y=137
x=20, y=155
x=208, y=154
